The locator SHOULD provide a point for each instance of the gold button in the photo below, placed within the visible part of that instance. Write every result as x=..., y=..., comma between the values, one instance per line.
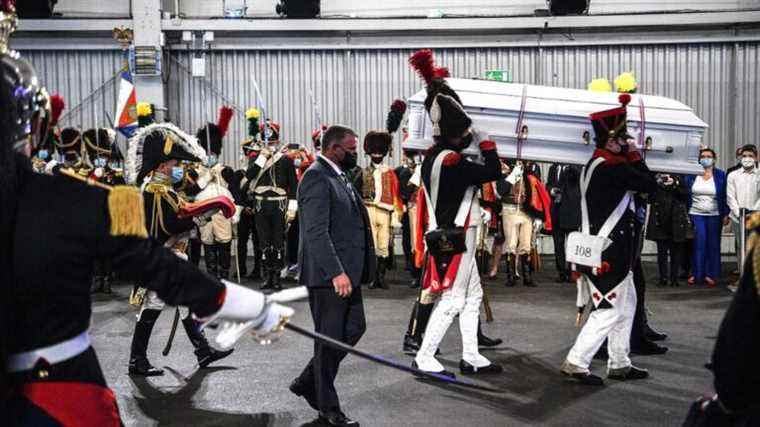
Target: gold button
x=43, y=374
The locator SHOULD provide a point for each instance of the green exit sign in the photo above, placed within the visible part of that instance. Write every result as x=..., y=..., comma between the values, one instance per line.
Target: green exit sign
x=499, y=75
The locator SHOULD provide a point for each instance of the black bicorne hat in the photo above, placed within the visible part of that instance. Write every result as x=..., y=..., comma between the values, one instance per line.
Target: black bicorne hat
x=99, y=142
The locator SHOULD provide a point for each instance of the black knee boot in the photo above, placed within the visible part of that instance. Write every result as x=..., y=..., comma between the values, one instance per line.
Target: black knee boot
x=511, y=271
x=138, y=359
x=224, y=252
x=410, y=345
x=423, y=316
x=382, y=266
x=484, y=341
x=526, y=271
x=210, y=257
x=203, y=351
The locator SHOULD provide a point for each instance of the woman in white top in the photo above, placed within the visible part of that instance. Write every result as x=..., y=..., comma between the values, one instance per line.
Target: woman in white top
x=708, y=210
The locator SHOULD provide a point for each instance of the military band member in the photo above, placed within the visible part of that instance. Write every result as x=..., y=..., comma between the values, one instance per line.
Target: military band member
x=450, y=185
x=302, y=159
x=616, y=171
x=408, y=192
x=272, y=189
x=216, y=235
x=380, y=192
x=50, y=373
x=524, y=199
x=246, y=228
x=153, y=164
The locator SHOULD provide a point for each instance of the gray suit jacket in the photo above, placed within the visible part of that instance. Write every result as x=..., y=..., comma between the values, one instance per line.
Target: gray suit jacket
x=335, y=235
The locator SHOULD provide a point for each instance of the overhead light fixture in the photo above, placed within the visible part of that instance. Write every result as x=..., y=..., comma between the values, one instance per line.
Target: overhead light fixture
x=568, y=7
x=303, y=9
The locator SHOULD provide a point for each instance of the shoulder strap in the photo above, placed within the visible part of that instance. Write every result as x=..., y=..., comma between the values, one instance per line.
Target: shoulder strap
x=613, y=219
x=435, y=179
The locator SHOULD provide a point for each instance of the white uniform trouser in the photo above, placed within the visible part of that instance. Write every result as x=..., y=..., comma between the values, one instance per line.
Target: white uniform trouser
x=462, y=298
x=612, y=323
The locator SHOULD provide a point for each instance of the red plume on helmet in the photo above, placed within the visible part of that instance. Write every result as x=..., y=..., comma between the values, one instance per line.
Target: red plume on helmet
x=56, y=109
x=225, y=116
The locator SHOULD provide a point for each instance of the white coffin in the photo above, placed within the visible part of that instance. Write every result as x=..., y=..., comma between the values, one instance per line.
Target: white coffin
x=557, y=118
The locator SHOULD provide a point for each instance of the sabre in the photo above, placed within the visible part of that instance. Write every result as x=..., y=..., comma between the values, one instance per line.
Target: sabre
x=337, y=345
x=262, y=107
x=318, y=116
x=294, y=294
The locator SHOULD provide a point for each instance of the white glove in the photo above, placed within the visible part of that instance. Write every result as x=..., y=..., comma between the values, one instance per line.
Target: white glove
x=49, y=167
x=516, y=174
x=292, y=209
x=486, y=215
x=244, y=309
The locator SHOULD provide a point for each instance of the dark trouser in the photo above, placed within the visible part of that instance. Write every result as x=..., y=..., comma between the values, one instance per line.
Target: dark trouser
x=558, y=236
x=668, y=267
x=640, y=318
x=218, y=259
x=406, y=244
x=270, y=227
x=247, y=229
x=338, y=318
x=195, y=251
x=292, y=251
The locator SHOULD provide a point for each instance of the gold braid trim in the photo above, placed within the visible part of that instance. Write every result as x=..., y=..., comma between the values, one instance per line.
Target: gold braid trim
x=125, y=206
x=162, y=192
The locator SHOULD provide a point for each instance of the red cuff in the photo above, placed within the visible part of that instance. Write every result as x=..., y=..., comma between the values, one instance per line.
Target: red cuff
x=487, y=145
x=633, y=156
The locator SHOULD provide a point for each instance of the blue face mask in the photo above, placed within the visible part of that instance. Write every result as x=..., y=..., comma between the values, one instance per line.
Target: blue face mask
x=43, y=154
x=177, y=174
x=706, y=162
x=211, y=160
x=100, y=162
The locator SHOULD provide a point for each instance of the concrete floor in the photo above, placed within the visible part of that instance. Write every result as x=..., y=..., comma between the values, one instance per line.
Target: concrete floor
x=250, y=388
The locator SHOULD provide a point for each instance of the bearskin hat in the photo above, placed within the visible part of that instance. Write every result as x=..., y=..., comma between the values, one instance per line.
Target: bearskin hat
x=377, y=143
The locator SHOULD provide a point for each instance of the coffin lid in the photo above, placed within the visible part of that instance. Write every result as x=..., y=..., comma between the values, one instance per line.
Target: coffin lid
x=548, y=100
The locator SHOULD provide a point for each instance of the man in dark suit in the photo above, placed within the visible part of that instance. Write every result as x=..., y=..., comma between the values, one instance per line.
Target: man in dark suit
x=554, y=186
x=336, y=255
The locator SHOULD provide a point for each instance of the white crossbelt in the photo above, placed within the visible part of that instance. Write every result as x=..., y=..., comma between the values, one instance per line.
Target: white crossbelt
x=53, y=354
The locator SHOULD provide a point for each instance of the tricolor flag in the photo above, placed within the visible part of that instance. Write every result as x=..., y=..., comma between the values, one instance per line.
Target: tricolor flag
x=126, y=107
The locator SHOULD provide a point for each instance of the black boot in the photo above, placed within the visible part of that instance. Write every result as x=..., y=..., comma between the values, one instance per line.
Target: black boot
x=138, y=359
x=224, y=252
x=526, y=271
x=423, y=316
x=256, y=272
x=210, y=257
x=410, y=346
x=276, y=281
x=96, y=285
x=511, y=270
x=484, y=341
x=382, y=266
x=270, y=281
x=203, y=351
x=107, y=284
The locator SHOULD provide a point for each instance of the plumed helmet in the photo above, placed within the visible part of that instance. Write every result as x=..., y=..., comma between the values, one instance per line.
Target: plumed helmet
x=611, y=123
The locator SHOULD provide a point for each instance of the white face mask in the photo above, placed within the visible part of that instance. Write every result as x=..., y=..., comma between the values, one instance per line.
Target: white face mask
x=748, y=162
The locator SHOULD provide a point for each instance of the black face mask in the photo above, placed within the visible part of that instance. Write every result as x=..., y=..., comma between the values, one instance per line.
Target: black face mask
x=466, y=141
x=348, y=162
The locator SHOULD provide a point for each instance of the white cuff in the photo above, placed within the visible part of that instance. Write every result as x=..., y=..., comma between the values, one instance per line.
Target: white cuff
x=240, y=304
x=292, y=205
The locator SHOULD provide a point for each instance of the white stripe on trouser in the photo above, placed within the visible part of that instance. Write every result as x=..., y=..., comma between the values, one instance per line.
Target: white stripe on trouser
x=612, y=323
x=463, y=298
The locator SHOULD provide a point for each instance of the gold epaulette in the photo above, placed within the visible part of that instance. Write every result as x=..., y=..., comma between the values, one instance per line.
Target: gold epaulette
x=127, y=212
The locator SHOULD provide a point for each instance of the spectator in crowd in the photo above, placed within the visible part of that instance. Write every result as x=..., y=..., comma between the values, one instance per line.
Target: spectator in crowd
x=738, y=163
x=669, y=226
x=708, y=208
x=743, y=190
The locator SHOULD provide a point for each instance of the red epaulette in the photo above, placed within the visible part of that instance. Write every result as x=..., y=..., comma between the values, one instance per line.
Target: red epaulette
x=452, y=159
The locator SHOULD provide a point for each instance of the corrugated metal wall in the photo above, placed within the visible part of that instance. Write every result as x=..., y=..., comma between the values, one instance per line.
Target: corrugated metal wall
x=356, y=87
x=86, y=80
x=720, y=81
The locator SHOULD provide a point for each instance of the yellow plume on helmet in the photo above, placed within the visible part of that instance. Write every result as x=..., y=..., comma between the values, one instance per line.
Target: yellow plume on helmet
x=626, y=83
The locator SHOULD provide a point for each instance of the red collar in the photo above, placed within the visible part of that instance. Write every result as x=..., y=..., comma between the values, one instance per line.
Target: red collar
x=609, y=157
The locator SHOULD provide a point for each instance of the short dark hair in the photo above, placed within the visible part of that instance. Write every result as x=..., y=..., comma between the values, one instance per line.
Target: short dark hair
x=335, y=134
x=749, y=147
x=715, y=156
